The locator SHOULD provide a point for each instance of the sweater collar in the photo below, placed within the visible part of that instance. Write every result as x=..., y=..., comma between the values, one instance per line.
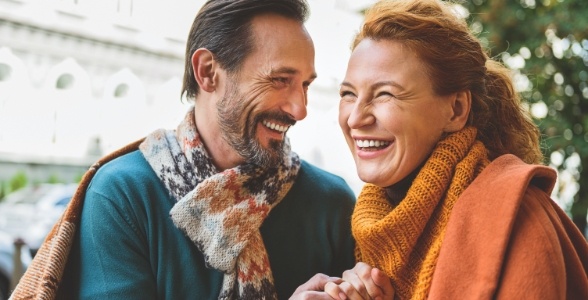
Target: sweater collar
x=404, y=240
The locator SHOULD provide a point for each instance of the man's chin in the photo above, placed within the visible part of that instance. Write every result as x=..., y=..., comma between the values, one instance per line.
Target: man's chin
x=268, y=156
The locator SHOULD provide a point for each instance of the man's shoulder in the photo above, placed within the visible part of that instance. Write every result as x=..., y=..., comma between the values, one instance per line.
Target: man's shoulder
x=127, y=167
x=311, y=172
x=128, y=180
x=131, y=160
x=313, y=179
x=317, y=194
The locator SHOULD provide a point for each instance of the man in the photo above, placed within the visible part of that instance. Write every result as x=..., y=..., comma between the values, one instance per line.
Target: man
x=219, y=208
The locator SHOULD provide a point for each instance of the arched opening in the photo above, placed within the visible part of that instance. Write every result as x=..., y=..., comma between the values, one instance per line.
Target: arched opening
x=5, y=72
x=121, y=90
x=65, y=82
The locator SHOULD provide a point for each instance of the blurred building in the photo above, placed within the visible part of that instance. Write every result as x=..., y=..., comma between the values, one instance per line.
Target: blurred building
x=80, y=78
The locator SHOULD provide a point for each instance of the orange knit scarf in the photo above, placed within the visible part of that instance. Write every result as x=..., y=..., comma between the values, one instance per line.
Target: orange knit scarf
x=404, y=241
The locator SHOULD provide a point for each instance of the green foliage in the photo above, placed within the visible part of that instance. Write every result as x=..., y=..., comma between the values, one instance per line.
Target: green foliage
x=552, y=37
x=79, y=177
x=2, y=190
x=54, y=178
x=19, y=180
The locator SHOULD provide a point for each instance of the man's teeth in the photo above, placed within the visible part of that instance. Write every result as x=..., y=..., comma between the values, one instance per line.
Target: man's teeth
x=371, y=143
x=277, y=127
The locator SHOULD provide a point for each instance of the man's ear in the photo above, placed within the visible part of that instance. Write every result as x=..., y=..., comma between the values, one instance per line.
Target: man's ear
x=204, y=68
x=461, y=103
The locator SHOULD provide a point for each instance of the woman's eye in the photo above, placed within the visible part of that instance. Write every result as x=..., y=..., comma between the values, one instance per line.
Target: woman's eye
x=345, y=94
x=385, y=94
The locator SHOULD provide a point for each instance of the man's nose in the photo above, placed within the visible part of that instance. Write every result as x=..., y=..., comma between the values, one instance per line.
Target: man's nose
x=295, y=105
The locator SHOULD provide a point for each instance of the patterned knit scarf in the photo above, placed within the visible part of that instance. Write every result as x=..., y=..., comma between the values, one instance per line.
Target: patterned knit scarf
x=221, y=212
x=404, y=241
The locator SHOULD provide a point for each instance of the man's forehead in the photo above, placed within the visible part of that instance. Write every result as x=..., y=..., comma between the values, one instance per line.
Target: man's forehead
x=281, y=46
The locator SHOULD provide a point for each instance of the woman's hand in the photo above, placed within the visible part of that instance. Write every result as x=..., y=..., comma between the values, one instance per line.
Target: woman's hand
x=362, y=282
x=314, y=287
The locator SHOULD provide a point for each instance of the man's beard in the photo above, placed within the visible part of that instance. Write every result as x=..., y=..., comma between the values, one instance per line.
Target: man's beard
x=242, y=137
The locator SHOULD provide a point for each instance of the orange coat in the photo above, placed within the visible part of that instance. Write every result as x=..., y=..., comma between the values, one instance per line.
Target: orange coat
x=506, y=239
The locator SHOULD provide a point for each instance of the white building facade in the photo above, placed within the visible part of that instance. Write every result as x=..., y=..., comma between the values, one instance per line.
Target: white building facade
x=80, y=78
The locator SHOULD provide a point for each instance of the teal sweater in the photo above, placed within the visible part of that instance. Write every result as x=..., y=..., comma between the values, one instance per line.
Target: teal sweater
x=128, y=248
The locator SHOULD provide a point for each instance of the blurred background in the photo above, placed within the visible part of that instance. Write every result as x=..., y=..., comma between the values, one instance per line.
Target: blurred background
x=80, y=78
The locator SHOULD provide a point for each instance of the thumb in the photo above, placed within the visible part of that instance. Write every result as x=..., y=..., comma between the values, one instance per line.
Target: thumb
x=383, y=281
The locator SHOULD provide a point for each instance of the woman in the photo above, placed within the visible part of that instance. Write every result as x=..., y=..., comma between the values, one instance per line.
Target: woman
x=457, y=204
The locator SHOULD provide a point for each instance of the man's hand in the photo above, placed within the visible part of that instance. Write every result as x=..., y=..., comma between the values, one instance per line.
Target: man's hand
x=362, y=282
x=314, y=287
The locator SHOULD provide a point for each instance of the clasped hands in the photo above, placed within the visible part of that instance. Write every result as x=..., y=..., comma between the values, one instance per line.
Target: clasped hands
x=362, y=282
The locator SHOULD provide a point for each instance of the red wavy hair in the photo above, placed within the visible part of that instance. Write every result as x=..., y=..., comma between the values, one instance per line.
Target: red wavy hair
x=456, y=61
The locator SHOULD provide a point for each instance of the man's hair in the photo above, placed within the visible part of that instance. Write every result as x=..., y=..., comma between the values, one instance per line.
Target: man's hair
x=224, y=28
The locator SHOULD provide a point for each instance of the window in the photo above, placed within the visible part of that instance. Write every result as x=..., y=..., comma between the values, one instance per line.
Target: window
x=5, y=72
x=121, y=90
x=65, y=81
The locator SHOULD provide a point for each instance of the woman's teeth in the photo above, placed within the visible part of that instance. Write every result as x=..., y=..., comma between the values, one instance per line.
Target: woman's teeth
x=371, y=143
x=277, y=127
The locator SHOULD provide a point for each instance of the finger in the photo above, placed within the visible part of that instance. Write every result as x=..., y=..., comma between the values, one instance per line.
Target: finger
x=360, y=278
x=350, y=292
x=383, y=282
x=313, y=288
x=312, y=295
x=317, y=283
x=334, y=291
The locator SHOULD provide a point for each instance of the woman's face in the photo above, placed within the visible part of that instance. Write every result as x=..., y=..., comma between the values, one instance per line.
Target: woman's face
x=389, y=114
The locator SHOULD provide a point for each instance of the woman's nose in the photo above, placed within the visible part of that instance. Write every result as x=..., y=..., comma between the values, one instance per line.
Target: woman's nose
x=360, y=116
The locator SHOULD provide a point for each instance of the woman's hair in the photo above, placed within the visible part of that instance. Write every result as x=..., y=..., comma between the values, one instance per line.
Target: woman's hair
x=455, y=61
x=224, y=28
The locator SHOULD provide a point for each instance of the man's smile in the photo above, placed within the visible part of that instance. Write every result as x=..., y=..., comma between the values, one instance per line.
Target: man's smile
x=275, y=126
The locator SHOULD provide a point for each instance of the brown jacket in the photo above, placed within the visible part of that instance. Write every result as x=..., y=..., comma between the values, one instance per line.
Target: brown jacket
x=506, y=239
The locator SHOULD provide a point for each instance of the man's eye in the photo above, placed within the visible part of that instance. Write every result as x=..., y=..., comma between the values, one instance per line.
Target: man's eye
x=281, y=80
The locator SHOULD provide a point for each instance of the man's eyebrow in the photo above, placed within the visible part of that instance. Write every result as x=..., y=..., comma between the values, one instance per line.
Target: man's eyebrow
x=290, y=71
x=377, y=84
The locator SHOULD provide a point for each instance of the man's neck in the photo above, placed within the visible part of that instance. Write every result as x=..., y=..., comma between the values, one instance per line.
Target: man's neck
x=223, y=156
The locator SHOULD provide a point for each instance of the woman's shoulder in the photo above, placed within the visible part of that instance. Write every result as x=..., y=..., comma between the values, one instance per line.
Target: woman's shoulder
x=501, y=188
x=505, y=223
x=512, y=176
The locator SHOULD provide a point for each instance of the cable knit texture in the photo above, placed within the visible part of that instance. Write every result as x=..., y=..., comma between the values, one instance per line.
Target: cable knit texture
x=221, y=212
x=404, y=240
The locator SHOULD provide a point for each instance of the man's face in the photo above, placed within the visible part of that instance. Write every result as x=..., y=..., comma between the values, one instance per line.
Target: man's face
x=269, y=92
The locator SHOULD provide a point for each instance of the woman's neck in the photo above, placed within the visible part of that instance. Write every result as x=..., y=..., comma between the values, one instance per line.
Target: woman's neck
x=397, y=191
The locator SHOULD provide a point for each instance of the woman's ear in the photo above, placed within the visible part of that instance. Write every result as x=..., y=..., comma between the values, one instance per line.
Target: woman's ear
x=461, y=103
x=204, y=68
